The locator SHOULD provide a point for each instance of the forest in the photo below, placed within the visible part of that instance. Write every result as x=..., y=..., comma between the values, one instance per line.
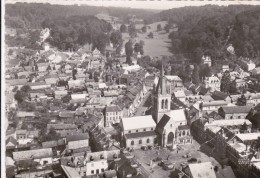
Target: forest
x=210, y=29
x=30, y=15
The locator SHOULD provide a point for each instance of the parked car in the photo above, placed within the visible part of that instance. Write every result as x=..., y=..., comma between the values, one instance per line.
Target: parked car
x=192, y=160
x=157, y=159
x=166, y=165
x=145, y=148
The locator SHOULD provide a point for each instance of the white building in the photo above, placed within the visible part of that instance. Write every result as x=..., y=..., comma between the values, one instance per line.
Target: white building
x=138, y=135
x=207, y=60
x=213, y=83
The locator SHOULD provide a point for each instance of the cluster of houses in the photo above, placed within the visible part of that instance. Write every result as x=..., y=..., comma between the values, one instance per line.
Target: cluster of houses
x=84, y=117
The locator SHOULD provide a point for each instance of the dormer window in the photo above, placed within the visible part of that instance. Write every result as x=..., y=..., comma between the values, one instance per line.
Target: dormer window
x=101, y=157
x=91, y=158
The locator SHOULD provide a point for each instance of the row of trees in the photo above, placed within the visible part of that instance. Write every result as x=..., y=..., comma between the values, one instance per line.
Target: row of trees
x=211, y=33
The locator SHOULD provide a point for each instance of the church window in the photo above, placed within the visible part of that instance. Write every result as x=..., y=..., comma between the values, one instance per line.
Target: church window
x=162, y=106
x=166, y=103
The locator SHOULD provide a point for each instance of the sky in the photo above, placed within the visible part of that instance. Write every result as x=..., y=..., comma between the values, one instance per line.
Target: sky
x=143, y=4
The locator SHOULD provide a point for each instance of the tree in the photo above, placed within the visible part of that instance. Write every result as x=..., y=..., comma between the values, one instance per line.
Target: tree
x=150, y=35
x=116, y=38
x=129, y=51
x=100, y=42
x=132, y=30
x=25, y=88
x=123, y=28
x=66, y=99
x=74, y=72
x=167, y=28
x=241, y=101
x=225, y=82
x=159, y=27
x=205, y=71
x=195, y=75
x=244, y=128
x=144, y=29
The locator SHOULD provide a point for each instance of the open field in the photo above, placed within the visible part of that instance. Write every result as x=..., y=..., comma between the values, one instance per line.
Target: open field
x=145, y=157
x=156, y=47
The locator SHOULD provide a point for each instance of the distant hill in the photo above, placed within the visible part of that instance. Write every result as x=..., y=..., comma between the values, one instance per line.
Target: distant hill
x=31, y=15
x=209, y=29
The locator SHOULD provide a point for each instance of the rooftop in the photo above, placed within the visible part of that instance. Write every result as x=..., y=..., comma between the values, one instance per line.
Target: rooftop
x=29, y=154
x=248, y=136
x=236, y=109
x=129, y=123
x=113, y=109
x=140, y=134
x=206, y=172
x=229, y=122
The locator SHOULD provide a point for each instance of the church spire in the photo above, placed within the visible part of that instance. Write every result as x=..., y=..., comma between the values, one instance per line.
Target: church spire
x=163, y=82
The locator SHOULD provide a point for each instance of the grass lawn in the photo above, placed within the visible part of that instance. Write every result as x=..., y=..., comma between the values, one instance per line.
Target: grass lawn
x=145, y=157
x=156, y=47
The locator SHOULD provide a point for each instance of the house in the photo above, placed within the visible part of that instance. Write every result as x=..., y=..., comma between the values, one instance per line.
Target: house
x=234, y=125
x=247, y=64
x=25, y=115
x=11, y=143
x=172, y=129
x=149, y=81
x=42, y=156
x=113, y=114
x=66, y=114
x=138, y=135
x=234, y=112
x=96, y=53
x=197, y=170
x=239, y=83
x=60, y=93
x=39, y=85
x=91, y=164
x=255, y=71
x=207, y=60
x=174, y=81
x=42, y=67
x=218, y=95
x=70, y=172
x=209, y=106
x=225, y=68
x=179, y=94
x=62, y=127
x=213, y=83
x=77, y=140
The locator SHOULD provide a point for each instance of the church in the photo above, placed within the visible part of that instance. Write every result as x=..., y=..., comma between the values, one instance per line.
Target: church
x=172, y=128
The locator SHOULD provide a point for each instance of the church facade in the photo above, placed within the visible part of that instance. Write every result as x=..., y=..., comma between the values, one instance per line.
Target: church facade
x=172, y=128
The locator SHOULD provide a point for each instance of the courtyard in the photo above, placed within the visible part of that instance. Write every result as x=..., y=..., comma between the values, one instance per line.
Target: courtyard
x=176, y=158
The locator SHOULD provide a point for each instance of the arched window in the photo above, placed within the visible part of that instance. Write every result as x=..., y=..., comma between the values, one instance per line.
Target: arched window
x=162, y=106
x=166, y=103
x=140, y=141
x=148, y=140
x=132, y=142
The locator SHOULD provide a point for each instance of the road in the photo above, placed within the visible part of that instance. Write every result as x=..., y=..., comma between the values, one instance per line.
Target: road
x=141, y=109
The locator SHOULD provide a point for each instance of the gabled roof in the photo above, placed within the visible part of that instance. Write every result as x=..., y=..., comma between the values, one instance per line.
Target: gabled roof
x=77, y=137
x=140, y=134
x=236, y=109
x=217, y=95
x=29, y=154
x=206, y=172
x=11, y=140
x=113, y=109
x=129, y=123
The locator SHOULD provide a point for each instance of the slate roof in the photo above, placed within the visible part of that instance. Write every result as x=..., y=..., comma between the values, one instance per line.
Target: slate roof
x=164, y=120
x=29, y=154
x=113, y=109
x=61, y=126
x=140, y=134
x=183, y=127
x=236, y=109
x=77, y=137
x=217, y=95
